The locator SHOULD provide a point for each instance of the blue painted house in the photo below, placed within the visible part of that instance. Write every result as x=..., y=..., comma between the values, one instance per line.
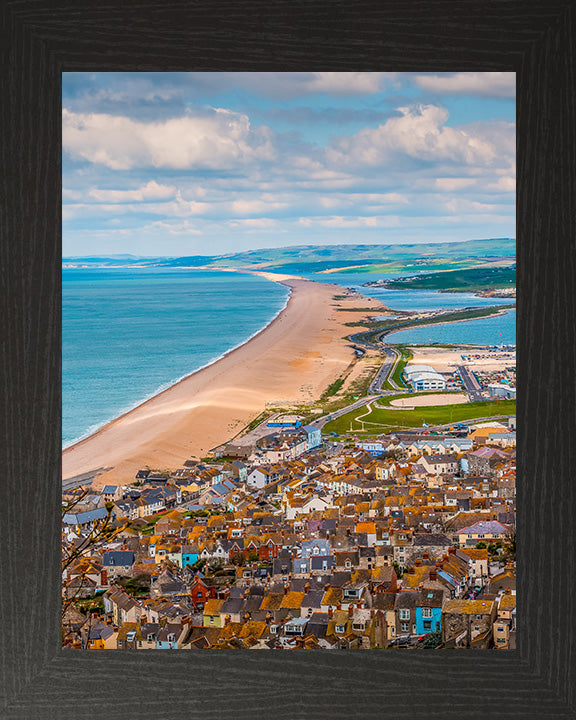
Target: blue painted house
x=169, y=636
x=429, y=611
x=190, y=554
x=314, y=436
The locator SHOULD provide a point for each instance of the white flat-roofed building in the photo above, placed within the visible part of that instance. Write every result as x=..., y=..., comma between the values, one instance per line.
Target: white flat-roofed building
x=497, y=390
x=424, y=377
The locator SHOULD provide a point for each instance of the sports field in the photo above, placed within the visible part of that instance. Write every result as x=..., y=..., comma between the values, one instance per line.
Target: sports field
x=374, y=419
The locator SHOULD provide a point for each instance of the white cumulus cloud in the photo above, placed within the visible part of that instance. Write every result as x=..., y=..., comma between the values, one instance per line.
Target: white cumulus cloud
x=484, y=84
x=419, y=133
x=148, y=192
x=217, y=140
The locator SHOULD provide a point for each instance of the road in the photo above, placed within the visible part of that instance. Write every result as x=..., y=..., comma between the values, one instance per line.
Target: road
x=84, y=479
x=320, y=422
x=471, y=384
x=386, y=371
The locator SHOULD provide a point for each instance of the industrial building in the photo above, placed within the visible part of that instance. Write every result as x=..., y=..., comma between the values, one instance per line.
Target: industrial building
x=424, y=377
x=505, y=391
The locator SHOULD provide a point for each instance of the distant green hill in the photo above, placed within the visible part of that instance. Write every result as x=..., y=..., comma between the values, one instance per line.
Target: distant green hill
x=314, y=258
x=344, y=255
x=482, y=278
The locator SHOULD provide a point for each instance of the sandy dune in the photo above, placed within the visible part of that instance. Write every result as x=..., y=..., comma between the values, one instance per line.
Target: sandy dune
x=445, y=360
x=427, y=400
x=294, y=359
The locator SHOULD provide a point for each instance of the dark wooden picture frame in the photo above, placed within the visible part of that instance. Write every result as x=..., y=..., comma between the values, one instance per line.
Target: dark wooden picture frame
x=42, y=39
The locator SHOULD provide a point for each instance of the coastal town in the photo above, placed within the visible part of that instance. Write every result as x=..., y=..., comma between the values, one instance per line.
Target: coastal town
x=315, y=532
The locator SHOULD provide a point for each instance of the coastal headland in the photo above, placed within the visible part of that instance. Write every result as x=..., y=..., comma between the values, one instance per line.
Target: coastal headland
x=294, y=359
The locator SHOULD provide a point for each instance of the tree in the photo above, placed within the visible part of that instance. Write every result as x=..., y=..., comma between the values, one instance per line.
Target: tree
x=481, y=545
x=432, y=640
x=510, y=544
x=103, y=531
x=494, y=548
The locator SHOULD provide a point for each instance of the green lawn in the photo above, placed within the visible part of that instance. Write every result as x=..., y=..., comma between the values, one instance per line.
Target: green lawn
x=383, y=420
x=406, y=356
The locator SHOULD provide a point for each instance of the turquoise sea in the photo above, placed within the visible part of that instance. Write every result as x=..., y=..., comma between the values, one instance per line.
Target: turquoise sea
x=130, y=333
x=127, y=334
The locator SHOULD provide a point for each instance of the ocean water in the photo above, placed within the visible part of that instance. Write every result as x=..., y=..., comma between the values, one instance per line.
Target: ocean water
x=127, y=334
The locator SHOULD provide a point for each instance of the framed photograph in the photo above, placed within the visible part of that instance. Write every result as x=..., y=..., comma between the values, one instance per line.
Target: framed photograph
x=70, y=65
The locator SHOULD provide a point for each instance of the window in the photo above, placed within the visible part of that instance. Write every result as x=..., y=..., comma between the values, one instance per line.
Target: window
x=340, y=628
x=427, y=624
x=404, y=627
x=404, y=614
x=426, y=612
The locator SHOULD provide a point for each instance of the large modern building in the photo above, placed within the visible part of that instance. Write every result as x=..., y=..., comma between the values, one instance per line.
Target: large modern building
x=424, y=377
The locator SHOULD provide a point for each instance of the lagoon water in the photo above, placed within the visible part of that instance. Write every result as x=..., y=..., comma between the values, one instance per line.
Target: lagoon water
x=498, y=330
x=127, y=334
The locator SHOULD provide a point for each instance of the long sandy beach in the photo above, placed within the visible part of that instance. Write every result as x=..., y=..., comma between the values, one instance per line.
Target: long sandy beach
x=293, y=359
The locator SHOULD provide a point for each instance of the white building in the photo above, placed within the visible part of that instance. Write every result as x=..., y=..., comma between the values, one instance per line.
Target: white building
x=424, y=377
x=497, y=390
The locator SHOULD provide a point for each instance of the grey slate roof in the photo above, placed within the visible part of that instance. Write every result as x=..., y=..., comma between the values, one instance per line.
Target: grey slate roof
x=114, y=558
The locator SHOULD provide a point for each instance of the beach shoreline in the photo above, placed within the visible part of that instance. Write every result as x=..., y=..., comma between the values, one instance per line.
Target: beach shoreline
x=292, y=359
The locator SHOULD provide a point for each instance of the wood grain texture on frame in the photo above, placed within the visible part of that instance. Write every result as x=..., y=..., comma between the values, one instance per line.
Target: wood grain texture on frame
x=39, y=41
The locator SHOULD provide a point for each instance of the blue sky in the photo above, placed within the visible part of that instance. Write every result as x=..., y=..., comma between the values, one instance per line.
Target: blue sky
x=214, y=163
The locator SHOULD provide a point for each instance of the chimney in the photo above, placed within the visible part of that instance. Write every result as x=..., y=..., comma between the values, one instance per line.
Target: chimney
x=418, y=562
x=330, y=612
x=451, y=550
x=286, y=588
x=227, y=620
x=434, y=574
x=268, y=618
x=326, y=587
x=350, y=610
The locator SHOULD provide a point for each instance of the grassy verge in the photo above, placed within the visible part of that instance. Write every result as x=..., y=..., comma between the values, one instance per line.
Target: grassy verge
x=406, y=356
x=358, y=388
x=333, y=389
x=383, y=419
